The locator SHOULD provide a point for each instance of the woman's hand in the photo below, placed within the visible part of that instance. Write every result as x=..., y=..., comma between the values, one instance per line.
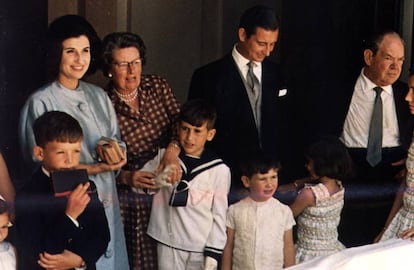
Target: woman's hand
x=137, y=179
x=102, y=167
x=408, y=234
x=64, y=260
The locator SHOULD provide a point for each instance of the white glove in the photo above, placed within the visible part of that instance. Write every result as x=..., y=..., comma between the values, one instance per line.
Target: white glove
x=210, y=263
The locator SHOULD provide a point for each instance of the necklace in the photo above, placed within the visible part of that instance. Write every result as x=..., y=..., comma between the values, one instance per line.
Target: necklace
x=127, y=97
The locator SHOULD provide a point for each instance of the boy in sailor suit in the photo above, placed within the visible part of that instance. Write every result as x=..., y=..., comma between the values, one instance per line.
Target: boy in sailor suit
x=188, y=218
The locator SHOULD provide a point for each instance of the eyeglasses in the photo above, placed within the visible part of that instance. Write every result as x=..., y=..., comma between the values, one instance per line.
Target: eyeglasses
x=124, y=64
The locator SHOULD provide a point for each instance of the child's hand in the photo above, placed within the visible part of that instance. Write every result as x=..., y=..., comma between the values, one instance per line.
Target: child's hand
x=78, y=200
x=64, y=260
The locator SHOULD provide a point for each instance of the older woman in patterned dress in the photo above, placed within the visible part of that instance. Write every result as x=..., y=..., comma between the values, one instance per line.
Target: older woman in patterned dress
x=147, y=112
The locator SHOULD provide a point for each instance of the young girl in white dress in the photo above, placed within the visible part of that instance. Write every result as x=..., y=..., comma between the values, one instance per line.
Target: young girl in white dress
x=318, y=206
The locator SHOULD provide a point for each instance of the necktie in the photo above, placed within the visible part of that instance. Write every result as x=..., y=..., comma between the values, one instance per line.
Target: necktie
x=252, y=81
x=374, y=146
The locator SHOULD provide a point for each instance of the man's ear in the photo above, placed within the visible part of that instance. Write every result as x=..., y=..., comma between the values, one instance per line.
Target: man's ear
x=38, y=152
x=245, y=181
x=242, y=34
x=368, y=55
x=210, y=134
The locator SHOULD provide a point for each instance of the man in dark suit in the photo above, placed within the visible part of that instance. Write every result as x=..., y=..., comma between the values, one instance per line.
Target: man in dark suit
x=369, y=195
x=248, y=92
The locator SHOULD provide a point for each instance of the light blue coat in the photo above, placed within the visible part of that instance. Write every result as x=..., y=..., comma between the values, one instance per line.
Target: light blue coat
x=91, y=106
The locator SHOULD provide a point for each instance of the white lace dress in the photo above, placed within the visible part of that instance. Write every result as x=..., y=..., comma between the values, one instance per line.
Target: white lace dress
x=317, y=225
x=404, y=219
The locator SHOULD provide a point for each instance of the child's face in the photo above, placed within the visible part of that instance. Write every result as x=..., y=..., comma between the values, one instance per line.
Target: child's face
x=4, y=226
x=58, y=155
x=192, y=138
x=262, y=186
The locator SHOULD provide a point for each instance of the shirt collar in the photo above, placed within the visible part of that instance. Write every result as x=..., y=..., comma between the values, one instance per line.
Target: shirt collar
x=241, y=61
x=45, y=171
x=367, y=85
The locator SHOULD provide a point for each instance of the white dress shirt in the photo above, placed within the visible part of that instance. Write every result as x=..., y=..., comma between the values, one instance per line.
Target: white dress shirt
x=242, y=62
x=356, y=126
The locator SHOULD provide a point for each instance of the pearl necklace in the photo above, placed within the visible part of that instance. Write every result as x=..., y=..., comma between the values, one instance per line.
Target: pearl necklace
x=127, y=97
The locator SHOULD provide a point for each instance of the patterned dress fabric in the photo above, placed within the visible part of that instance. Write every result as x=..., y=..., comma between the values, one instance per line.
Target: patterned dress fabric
x=144, y=131
x=317, y=225
x=404, y=219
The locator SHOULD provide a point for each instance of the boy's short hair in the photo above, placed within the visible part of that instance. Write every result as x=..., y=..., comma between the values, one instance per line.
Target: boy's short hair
x=330, y=158
x=4, y=207
x=196, y=112
x=56, y=126
x=258, y=162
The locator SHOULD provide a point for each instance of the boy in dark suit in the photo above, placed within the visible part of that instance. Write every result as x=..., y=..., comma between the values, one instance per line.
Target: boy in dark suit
x=65, y=232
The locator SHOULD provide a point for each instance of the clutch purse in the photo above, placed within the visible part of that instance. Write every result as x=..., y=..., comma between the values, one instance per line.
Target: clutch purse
x=65, y=181
x=109, y=151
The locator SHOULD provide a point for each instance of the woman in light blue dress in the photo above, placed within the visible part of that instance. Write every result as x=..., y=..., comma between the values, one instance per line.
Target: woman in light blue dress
x=73, y=49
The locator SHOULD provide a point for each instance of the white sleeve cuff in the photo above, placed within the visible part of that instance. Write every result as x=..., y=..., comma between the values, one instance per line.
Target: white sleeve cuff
x=74, y=221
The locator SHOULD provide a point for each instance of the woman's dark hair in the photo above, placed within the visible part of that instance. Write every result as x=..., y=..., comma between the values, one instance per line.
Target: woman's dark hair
x=120, y=40
x=62, y=28
x=330, y=158
x=259, y=16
